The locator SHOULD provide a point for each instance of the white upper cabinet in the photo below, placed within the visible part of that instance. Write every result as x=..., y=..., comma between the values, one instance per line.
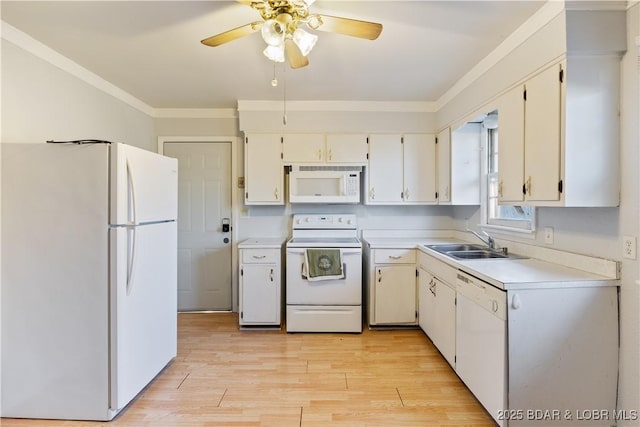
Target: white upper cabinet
x=419, y=158
x=303, y=148
x=320, y=148
x=346, y=148
x=385, y=169
x=264, y=175
x=401, y=169
x=458, y=166
x=558, y=143
x=443, y=150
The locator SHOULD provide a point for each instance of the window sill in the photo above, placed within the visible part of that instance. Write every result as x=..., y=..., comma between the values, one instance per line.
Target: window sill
x=510, y=231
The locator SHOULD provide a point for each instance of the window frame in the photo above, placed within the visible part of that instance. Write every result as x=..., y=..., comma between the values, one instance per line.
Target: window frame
x=516, y=227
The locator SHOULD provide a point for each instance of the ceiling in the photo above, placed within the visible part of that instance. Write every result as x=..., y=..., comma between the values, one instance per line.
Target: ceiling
x=152, y=49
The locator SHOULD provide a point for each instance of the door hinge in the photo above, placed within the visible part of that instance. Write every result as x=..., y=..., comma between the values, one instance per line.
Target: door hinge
x=560, y=186
x=561, y=75
x=524, y=94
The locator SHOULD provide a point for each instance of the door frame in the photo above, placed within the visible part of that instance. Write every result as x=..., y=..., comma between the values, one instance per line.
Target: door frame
x=235, y=143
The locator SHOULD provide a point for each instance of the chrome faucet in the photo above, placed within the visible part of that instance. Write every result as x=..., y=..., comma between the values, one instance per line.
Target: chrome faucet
x=486, y=239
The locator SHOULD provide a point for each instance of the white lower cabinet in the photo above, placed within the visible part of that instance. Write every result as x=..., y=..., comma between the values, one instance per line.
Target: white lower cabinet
x=260, y=301
x=437, y=312
x=392, y=286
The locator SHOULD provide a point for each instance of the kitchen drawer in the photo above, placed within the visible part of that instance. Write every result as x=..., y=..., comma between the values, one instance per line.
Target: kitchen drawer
x=260, y=256
x=394, y=256
x=440, y=269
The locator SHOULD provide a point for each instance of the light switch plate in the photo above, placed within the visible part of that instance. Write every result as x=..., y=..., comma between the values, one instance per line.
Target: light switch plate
x=629, y=247
x=548, y=235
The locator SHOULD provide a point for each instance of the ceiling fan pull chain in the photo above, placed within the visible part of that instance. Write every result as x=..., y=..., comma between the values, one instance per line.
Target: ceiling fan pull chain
x=284, y=98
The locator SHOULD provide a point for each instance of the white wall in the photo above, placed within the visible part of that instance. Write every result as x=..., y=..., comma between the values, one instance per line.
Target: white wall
x=42, y=102
x=594, y=231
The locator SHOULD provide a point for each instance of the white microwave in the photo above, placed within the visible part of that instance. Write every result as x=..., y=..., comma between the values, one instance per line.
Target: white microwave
x=324, y=186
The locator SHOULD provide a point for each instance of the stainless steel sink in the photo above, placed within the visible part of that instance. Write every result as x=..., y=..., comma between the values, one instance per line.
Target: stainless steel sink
x=456, y=247
x=475, y=254
x=466, y=251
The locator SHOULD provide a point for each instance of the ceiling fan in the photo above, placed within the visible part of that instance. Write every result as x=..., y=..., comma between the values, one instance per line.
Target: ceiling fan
x=281, y=29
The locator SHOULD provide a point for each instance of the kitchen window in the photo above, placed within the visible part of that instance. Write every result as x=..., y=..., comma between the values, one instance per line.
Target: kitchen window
x=506, y=217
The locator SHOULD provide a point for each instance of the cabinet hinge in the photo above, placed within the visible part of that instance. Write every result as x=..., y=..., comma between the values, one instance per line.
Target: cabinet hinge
x=402, y=140
x=282, y=155
x=246, y=195
x=524, y=94
x=455, y=359
x=246, y=140
x=282, y=140
x=367, y=140
x=242, y=271
x=561, y=75
x=436, y=194
x=560, y=186
x=524, y=188
x=436, y=140
x=455, y=300
x=417, y=274
x=242, y=314
x=416, y=313
x=367, y=156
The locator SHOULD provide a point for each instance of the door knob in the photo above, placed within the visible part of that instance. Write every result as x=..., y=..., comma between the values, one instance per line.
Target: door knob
x=226, y=240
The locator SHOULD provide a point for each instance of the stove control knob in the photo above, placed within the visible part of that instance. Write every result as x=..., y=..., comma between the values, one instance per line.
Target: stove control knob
x=340, y=219
x=349, y=222
x=307, y=219
x=298, y=221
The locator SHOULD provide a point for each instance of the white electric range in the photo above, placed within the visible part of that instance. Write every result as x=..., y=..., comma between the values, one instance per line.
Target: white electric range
x=333, y=305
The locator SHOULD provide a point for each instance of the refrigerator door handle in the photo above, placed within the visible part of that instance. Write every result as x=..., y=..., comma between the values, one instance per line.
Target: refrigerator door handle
x=131, y=256
x=131, y=196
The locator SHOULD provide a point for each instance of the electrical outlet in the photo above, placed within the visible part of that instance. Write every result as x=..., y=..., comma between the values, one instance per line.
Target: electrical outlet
x=629, y=247
x=548, y=235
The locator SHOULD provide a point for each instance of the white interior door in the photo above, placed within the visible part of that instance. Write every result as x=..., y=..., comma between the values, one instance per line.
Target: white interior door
x=204, y=201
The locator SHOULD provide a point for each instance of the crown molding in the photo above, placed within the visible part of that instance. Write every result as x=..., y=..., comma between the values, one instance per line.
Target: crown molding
x=349, y=106
x=42, y=51
x=195, y=113
x=543, y=16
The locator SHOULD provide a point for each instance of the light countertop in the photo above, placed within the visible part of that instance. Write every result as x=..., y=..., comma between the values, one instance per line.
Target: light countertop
x=506, y=274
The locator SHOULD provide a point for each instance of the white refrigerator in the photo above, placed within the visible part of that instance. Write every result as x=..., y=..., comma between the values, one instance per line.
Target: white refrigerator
x=89, y=277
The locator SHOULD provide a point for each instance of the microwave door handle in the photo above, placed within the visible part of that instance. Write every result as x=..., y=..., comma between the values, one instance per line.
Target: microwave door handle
x=344, y=185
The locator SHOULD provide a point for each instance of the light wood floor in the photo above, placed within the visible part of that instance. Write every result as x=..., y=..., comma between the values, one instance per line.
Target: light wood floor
x=226, y=377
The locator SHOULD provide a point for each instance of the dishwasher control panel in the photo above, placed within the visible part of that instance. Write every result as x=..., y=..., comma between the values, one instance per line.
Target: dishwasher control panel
x=488, y=297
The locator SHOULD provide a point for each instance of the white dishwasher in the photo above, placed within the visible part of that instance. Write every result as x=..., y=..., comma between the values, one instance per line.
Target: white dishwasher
x=481, y=340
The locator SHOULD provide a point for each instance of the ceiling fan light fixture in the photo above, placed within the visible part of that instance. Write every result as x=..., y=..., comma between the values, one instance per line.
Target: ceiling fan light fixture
x=314, y=22
x=274, y=53
x=304, y=40
x=273, y=32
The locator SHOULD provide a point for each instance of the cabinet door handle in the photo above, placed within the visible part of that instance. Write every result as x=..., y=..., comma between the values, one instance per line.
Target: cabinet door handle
x=527, y=186
x=405, y=195
x=319, y=154
x=500, y=189
x=372, y=194
x=275, y=193
x=271, y=274
x=494, y=306
x=259, y=256
x=330, y=154
x=379, y=275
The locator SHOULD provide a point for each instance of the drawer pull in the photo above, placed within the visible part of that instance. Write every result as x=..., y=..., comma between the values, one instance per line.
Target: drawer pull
x=395, y=256
x=259, y=256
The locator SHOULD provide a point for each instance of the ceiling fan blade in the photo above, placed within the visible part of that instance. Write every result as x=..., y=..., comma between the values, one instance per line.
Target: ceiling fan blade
x=350, y=27
x=230, y=35
x=295, y=57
